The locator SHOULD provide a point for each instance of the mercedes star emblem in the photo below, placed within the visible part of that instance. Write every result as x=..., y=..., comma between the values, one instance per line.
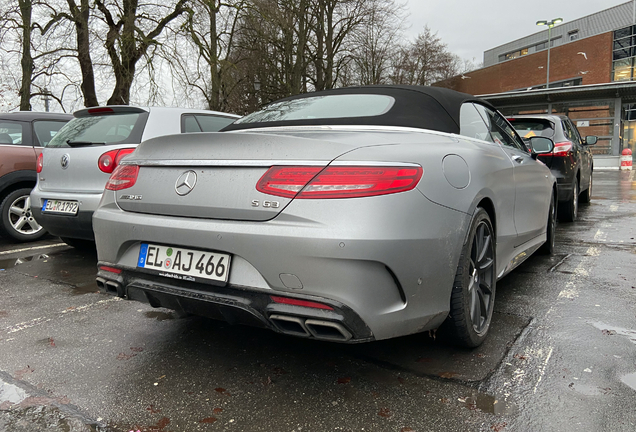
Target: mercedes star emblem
x=185, y=183
x=65, y=160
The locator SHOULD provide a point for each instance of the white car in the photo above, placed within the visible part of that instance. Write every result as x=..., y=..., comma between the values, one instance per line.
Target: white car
x=75, y=165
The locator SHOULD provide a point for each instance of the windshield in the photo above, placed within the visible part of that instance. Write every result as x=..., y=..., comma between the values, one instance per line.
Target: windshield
x=109, y=129
x=322, y=107
x=533, y=127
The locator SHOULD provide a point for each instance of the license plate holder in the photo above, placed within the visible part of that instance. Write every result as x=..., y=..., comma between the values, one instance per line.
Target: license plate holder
x=60, y=207
x=184, y=263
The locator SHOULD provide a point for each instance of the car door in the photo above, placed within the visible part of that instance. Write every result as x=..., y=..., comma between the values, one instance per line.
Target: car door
x=531, y=180
x=16, y=151
x=583, y=151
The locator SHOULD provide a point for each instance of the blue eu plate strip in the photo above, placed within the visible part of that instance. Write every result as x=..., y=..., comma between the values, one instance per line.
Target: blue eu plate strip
x=44, y=206
x=143, y=252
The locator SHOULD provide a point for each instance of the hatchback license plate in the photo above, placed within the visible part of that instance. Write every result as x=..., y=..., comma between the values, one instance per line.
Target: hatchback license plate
x=184, y=264
x=59, y=206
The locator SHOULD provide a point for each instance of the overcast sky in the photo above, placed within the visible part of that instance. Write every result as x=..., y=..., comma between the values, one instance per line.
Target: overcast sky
x=470, y=27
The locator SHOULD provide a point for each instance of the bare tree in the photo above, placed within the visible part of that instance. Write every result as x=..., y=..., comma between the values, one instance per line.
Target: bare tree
x=132, y=30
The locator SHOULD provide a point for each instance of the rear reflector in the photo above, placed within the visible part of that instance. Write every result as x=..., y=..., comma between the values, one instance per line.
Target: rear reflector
x=39, y=163
x=123, y=177
x=110, y=269
x=338, y=181
x=562, y=149
x=108, y=161
x=296, y=302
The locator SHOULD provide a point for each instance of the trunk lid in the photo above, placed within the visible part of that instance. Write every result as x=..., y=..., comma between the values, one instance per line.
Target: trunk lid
x=221, y=171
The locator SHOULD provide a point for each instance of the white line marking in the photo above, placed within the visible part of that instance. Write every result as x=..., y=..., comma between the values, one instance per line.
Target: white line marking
x=542, y=372
x=32, y=248
x=27, y=324
x=90, y=305
x=613, y=208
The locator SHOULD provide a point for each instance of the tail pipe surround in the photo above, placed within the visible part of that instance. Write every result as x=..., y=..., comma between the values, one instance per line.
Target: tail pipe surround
x=319, y=329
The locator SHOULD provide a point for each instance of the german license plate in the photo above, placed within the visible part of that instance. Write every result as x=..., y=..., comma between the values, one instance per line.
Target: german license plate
x=184, y=264
x=60, y=206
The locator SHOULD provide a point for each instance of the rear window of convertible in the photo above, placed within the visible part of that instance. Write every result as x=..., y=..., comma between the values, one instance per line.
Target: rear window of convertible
x=322, y=107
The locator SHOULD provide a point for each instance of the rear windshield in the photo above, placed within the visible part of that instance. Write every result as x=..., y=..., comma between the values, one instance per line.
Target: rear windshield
x=124, y=128
x=533, y=127
x=322, y=107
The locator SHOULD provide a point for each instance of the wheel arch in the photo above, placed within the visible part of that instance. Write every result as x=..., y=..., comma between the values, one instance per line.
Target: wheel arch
x=16, y=180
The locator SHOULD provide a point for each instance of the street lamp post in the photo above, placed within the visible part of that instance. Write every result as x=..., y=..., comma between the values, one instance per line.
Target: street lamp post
x=550, y=24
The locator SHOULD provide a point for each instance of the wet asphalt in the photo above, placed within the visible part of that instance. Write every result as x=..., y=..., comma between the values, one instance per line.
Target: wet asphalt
x=561, y=355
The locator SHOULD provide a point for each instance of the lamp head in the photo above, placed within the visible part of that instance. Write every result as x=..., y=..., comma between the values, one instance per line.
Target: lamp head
x=542, y=23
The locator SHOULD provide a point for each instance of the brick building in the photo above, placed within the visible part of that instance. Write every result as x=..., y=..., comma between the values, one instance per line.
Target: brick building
x=592, y=77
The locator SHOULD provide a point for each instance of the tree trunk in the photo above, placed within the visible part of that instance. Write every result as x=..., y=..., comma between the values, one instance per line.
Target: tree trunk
x=27, y=60
x=80, y=18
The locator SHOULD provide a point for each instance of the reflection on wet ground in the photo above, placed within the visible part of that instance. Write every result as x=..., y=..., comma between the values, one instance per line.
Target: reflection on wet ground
x=488, y=404
x=609, y=330
x=630, y=380
x=11, y=394
x=8, y=263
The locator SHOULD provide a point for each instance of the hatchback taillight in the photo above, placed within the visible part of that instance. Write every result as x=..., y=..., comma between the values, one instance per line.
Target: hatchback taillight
x=123, y=177
x=108, y=161
x=562, y=149
x=338, y=181
x=39, y=163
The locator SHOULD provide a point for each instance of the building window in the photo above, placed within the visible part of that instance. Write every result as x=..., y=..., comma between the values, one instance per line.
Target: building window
x=513, y=55
x=544, y=45
x=624, y=54
x=591, y=118
x=573, y=35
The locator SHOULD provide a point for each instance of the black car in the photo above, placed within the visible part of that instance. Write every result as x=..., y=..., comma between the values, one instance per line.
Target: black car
x=22, y=136
x=571, y=161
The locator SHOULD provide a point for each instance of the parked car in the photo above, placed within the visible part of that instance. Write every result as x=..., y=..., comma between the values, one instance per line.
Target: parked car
x=75, y=165
x=22, y=136
x=347, y=215
x=571, y=161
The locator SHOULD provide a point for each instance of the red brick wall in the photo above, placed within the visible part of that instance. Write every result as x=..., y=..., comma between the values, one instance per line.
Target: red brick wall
x=530, y=70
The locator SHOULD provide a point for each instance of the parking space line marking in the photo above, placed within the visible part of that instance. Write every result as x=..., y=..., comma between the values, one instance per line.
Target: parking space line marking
x=90, y=305
x=542, y=372
x=32, y=248
x=27, y=324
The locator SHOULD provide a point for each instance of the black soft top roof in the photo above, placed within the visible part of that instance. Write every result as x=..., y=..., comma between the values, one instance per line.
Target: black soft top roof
x=433, y=108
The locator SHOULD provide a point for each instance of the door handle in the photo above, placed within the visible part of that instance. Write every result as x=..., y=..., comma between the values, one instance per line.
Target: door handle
x=517, y=159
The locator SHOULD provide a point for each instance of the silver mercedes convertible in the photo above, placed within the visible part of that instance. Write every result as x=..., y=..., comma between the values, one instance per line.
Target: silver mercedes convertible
x=348, y=215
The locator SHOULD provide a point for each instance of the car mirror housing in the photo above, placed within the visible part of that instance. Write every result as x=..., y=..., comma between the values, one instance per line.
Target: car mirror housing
x=591, y=140
x=540, y=145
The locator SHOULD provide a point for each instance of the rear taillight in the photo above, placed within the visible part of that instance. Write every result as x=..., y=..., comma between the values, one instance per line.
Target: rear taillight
x=296, y=302
x=110, y=269
x=562, y=149
x=39, y=163
x=100, y=110
x=123, y=177
x=338, y=181
x=109, y=160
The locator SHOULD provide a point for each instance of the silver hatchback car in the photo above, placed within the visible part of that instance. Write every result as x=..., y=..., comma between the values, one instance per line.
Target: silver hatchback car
x=75, y=165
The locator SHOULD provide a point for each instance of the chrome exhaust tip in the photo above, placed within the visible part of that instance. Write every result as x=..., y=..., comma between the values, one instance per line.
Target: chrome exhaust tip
x=327, y=330
x=290, y=325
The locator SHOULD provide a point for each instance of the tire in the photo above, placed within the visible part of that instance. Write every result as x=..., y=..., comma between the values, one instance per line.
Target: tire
x=473, y=295
x=586, y=195
x=569, y=209
x=80, y=244
x=17, y=220
x=548, y=247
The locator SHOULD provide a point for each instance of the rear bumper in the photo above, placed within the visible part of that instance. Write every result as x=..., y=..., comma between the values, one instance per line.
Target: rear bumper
x=79, y=226
x=385, y=275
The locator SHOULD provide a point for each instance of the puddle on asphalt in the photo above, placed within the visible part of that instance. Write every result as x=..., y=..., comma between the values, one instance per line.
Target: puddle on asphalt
x=9, y=263
x=160, y=316
x=488, y=404
x=609, y=330
x=11, y=393
x=630, y=380
x=84, y=289
x=588, y=390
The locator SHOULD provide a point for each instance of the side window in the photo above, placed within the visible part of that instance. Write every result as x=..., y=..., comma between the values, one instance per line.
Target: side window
x=570, y=132
x=11, y=132
x=189, y=124
x=210, y=123
x=45, y=131
x=471, y=124
x=502, y=132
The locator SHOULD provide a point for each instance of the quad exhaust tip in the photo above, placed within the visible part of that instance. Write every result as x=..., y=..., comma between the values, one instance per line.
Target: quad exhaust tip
x=319, y=329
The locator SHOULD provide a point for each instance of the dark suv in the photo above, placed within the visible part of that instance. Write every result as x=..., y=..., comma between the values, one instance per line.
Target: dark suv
x=22, y=136
x=571, y=160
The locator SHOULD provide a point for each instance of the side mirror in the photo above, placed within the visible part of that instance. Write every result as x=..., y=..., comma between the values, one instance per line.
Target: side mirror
x=540, y=145
x=591, y=140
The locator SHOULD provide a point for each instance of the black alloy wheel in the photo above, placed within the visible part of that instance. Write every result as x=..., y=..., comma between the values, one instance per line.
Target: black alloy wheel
x=473, y=295
x=17, y=220
x=548, y=247
x=568, y=211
